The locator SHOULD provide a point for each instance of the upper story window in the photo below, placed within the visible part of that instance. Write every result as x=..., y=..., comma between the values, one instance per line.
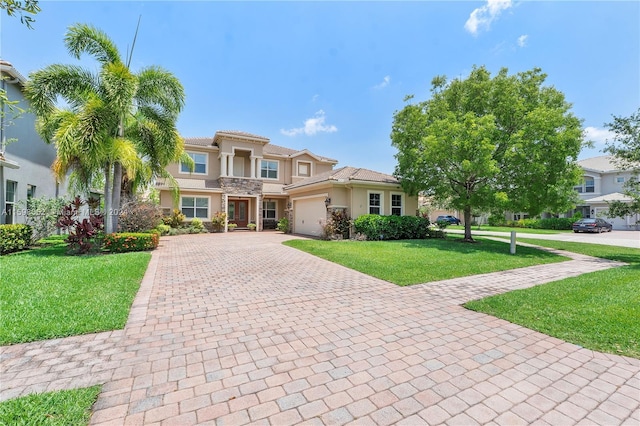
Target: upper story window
x=588, y=185
x=396, y=204
x=375, y=203
x=268, y=169
x=200, y=161
x=304, y=169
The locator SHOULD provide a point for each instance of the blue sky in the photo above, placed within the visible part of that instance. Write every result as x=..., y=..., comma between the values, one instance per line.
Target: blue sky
x=328, y=76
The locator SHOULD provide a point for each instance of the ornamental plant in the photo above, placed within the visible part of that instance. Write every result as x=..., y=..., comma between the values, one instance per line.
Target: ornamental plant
x=14, y=237
x=84, y=228
x=130, y=241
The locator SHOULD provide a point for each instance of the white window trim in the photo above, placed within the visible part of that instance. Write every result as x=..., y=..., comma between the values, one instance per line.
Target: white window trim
x=381, y=202
x=615, y=179
x=402, y=200
x=277, y=169
x=311, y=168
x=276, y=208
x=194, y=207
x=206, y=164
x=583, y=185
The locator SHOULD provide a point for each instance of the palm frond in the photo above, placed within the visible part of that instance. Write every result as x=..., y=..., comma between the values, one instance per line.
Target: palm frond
x=119, y=86
x=83, y=38
x=161, y=88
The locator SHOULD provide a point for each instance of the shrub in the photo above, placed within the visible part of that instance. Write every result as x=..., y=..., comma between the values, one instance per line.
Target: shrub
x=139, y=215
x=376, y=227
x=163, y=229
x=196, y=226
x=283, y=225
x=42, y=215
x=175, y=220
x=130, y=241
x=14, y=237
x=338, y=226
x=497, y=220
x=561, y=223
x=84, y=235
x=218, y=220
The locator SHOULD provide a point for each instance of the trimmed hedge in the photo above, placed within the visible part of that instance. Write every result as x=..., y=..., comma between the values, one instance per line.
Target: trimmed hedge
x=130, y=241
x=377, y=227
x=558, y=223
x=14, y=237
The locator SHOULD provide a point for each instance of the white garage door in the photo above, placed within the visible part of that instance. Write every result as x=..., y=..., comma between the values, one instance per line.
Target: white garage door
x=617, y=222
x=309, y=216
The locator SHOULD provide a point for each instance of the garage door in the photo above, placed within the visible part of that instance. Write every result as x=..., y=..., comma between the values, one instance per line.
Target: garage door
x=617, y=222
x=309, y=216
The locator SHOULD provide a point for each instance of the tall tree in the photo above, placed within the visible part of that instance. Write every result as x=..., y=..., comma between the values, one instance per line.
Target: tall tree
x=22, y=8
x=109, y=121
x=483, y=143
x=625, y=148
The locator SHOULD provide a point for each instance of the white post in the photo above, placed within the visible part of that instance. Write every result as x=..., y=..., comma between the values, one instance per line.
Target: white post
x=223, y=165
x=513, y=243
x=258, y=175
x=253, y=167
x=230, y=170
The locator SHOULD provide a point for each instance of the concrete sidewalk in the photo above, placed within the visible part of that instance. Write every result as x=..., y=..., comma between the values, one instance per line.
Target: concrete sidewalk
x=236, y=328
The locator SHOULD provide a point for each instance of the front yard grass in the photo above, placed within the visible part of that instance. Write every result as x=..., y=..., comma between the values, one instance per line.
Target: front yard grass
x=599, y=310
x=509, y=229
x=68, y=407
x=46, y=294
x=419, y=261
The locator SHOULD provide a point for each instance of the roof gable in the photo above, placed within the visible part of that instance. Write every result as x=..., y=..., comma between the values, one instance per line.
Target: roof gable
x=347, y=175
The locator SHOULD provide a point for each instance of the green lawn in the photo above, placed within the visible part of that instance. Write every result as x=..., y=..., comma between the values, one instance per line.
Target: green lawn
x=63, y=408
x=419, y=261
x=46, y=294
x=508, y=229
x=599, y=310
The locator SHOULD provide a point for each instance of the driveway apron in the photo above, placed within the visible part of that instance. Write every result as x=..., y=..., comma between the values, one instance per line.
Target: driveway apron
x=236, y=328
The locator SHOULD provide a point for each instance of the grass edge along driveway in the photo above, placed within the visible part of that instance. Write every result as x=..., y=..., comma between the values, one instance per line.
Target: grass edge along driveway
x=407, y=262
x=598, y=310
x=47, y=294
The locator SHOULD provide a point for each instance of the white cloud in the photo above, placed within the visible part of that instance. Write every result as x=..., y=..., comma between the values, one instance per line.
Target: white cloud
x=314, y=98
x=522, y=40
x=385, y=82
x=483, y=16
x=312, y=126
x=598, y=136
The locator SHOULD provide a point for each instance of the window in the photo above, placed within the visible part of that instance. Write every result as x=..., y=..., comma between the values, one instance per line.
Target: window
x=200, y=166
x=10, y=195
x=619, y=179
x=375, y=203
x=588, y=185
x=268, y=209
x=396, y=204
x=304, y=169
x=269, y=169
x=195, y=207
x=31, y=191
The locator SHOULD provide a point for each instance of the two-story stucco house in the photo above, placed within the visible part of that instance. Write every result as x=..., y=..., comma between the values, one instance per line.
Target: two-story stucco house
x=253, y=181
x=25, y=164
x=602, y=182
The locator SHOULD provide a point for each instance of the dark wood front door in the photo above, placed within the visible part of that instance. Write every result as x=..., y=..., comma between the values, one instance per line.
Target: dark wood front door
x=238, y=212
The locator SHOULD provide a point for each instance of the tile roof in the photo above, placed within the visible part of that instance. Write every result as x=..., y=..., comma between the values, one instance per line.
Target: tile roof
x=200, y=141
x=346, y=174
x=603, y=163
x=241, y=134
x=186, y=184
x=280, y=150
x=615, y=196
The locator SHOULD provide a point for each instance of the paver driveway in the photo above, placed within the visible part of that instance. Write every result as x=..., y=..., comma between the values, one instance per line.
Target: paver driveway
x=236, y=328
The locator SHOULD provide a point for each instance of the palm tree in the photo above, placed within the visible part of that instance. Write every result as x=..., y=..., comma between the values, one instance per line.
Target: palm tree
x=115, y=122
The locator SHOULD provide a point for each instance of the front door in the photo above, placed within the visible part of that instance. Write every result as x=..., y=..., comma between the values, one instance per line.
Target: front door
x=238, y=210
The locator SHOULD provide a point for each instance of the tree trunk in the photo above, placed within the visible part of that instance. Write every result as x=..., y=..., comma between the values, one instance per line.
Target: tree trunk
x=467, y=224
x=108, y=229
x=115, y=195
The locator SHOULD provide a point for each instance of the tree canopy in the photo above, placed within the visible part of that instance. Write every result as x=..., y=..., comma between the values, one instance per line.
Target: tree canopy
x=115, y=121
x=625, y=148
x=484, y=143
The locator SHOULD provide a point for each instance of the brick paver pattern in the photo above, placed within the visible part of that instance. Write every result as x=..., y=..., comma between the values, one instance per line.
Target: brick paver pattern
x=236, y=328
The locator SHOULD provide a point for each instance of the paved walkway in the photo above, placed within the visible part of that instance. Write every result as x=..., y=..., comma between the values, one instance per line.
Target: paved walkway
x=236, y=328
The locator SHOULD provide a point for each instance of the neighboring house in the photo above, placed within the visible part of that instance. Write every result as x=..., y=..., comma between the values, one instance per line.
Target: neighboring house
x=603, y=181
x=25, y=165
x=253, y=181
